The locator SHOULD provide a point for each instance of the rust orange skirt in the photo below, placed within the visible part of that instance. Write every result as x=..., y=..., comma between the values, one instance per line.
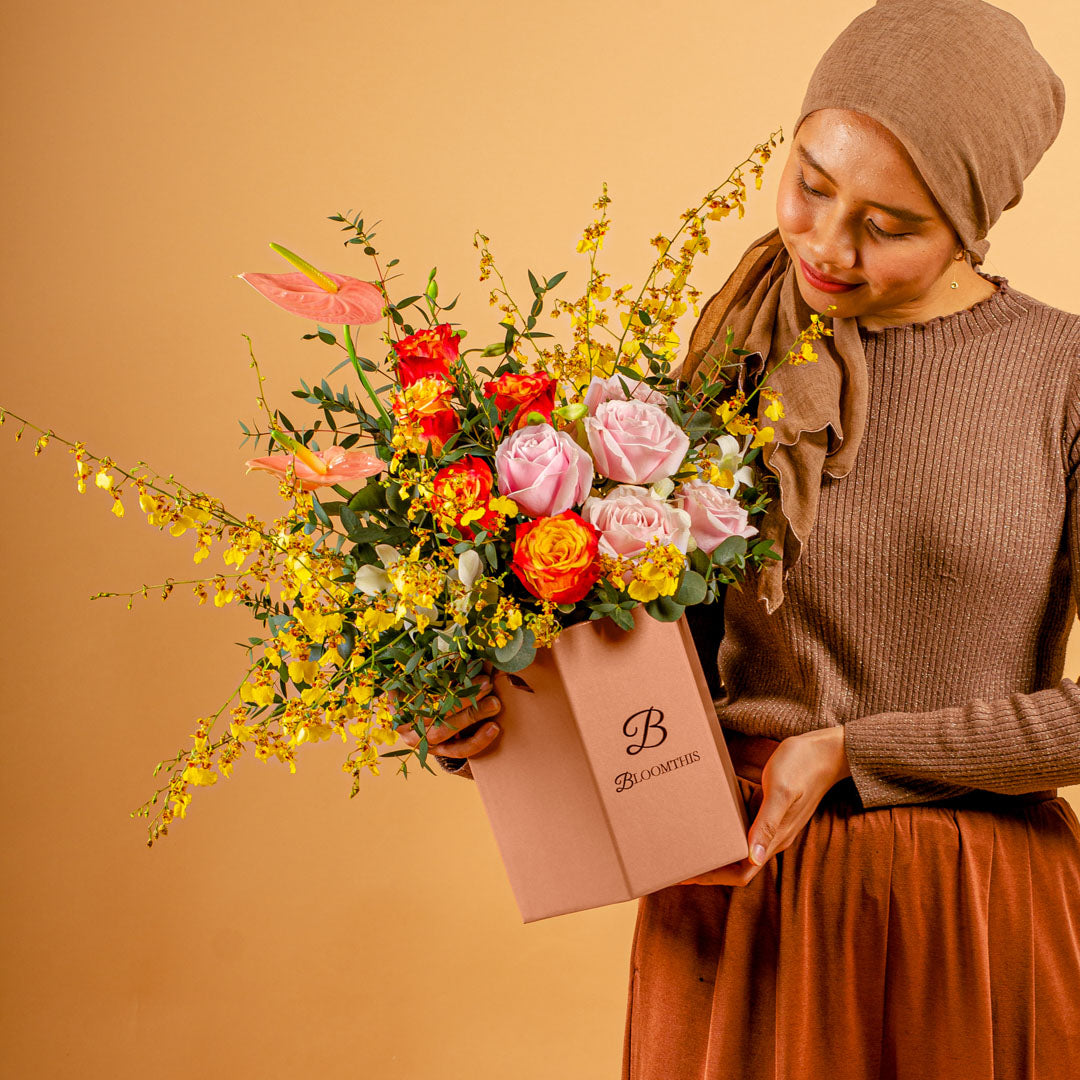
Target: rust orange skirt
x=924, y=942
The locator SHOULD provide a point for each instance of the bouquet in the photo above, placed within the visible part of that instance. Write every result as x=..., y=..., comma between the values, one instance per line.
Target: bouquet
x=453, y=508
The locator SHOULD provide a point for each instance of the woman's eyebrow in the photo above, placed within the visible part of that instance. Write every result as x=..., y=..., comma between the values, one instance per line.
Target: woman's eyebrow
x=902, y=215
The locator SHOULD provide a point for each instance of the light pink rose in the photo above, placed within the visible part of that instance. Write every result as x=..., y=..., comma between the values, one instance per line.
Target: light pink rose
x=714, y=514
x=634, y=442
x=611, y=389
x=543, y=470
x=629, y=518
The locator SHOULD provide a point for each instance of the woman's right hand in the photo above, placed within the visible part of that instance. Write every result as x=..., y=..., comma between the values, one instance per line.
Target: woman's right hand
x=452, y=737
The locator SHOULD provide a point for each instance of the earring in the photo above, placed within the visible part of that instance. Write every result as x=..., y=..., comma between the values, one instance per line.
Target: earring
x=957, y=257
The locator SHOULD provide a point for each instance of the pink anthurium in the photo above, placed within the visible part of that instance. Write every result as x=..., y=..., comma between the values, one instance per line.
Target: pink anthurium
x=320, y=468
x=334, y=299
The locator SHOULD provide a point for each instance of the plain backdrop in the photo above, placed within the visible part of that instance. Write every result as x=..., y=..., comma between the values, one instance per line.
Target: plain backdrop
x=151, y=152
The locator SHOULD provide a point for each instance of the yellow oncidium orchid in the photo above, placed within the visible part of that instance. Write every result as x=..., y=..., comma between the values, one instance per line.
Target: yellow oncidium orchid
x=303, y=671
x=361, y=692
x=376, y=620
x=195, y=774
x=314, y=695
x=656, y=572
x=242, y=732
x=316, y=624
x=259, y=694
x=502, y=505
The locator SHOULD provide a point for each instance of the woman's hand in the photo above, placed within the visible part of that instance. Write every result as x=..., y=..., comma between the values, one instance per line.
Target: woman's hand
x=449, y=739
x=794, y=780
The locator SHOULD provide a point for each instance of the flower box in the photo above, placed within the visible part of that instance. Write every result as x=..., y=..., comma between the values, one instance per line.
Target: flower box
x=611, y=778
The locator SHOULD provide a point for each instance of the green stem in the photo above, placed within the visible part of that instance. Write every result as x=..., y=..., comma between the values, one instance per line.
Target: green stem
x=363, y=376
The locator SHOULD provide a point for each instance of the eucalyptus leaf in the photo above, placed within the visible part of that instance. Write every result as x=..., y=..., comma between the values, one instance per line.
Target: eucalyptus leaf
x=349, y=521
x=372, y=496
x=699, y=561
x=729, y=550
x=691, y=590
x=320, y=512
x=511, y=648
x=664, y=609
x=380, y=534
x=522, y=659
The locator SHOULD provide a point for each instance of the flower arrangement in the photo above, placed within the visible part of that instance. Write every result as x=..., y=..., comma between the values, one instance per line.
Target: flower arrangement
x=459, y=507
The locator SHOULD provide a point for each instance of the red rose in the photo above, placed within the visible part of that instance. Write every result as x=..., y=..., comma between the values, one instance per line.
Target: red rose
x=439, y=426
x=557, y=558
x=527, y=393
x=463, y=496
x=426, y=354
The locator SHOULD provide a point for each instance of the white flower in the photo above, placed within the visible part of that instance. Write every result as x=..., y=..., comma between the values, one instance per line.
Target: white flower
x=387, y=554
x=468, y=568
x=372, y=580
x=727, y=453
x=662, y=488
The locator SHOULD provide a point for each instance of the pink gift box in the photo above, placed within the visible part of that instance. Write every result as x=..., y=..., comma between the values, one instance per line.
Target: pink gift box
x=611, y=778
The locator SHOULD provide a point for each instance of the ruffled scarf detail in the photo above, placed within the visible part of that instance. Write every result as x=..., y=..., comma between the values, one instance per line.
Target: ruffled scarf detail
x=824, y=401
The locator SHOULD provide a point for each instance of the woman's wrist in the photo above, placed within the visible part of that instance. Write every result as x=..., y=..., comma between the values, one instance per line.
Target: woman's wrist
x=832, y=746
x=843, y=767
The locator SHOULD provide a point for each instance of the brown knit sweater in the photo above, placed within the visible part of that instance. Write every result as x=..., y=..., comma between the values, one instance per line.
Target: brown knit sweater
x=930, y=607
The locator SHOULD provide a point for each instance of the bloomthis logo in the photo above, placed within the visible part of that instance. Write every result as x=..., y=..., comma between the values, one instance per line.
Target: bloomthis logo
x=646, y=728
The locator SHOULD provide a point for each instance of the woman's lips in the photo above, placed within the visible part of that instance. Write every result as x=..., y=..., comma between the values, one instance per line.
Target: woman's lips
x=823, y=284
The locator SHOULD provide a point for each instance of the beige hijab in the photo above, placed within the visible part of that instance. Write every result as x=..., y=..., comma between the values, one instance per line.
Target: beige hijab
x=960, y=84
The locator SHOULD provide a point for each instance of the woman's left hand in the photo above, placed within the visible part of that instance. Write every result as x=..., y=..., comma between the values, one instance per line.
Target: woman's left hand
x=794, y=780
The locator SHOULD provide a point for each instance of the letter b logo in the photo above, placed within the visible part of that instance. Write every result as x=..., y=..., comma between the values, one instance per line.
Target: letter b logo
x=644, y=726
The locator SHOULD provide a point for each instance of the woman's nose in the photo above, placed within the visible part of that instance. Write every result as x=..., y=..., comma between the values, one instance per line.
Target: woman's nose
x=830, y=245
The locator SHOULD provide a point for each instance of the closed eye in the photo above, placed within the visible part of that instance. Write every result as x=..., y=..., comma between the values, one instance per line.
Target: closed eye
x=874, y=228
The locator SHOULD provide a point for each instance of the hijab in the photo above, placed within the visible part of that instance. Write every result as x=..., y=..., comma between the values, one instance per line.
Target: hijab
x=960, y=84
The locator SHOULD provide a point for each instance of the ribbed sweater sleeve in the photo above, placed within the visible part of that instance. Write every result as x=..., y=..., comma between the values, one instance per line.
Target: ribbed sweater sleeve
x=1014, y=744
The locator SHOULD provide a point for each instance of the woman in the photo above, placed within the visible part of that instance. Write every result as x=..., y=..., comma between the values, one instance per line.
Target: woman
x=893, y=690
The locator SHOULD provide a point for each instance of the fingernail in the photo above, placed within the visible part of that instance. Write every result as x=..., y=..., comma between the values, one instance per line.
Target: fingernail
x=491, y=729
x=757, y=854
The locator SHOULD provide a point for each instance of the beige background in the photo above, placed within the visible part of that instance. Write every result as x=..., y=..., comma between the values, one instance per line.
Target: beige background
x=151, y=152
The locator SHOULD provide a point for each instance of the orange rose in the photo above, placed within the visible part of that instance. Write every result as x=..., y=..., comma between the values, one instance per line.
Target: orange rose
x=557, y=558
x=462, y=496
x=424, y=415
x=426, y=354
x=527, y=393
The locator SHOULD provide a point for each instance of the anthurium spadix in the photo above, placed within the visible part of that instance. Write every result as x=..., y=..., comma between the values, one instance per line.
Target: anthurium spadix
x=318, y=468
x=333, y=299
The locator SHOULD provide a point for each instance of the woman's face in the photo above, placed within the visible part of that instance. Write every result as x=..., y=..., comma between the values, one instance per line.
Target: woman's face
x=853, y=207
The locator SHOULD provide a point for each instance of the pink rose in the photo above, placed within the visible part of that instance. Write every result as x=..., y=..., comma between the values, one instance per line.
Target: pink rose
x=629, y=518
x=714, y=514
x=635, y=442
x=611, y=389
x=543, y=470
